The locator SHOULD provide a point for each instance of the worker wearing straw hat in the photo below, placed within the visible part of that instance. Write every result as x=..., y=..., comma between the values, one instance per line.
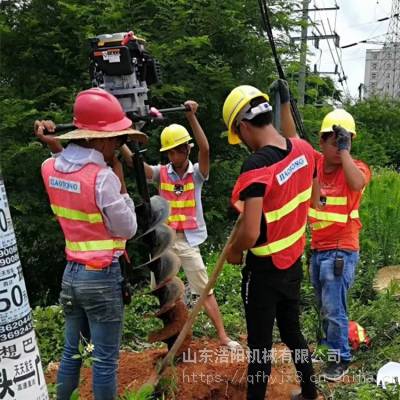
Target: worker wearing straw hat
x=88, y=195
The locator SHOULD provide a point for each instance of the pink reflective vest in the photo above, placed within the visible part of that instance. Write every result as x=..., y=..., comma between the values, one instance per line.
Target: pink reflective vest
x=73, y=201
x=181, y=198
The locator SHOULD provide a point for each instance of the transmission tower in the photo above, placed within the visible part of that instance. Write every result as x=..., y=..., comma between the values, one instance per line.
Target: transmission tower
x=388, y=73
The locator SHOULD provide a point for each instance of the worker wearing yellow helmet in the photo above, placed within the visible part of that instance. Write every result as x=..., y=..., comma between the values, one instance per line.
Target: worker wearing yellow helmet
x=273, y=194
x=180, y=182
x=335, y=228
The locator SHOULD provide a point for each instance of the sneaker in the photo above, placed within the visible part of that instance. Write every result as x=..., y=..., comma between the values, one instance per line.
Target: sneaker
x=335, y=371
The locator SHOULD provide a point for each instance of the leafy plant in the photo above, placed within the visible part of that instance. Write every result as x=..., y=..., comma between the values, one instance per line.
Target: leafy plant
x=145, y=393
x=380, y=214
x=49, y=328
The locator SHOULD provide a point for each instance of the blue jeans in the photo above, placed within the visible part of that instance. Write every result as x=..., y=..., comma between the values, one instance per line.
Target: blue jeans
x=331, y=293
x=92, y=303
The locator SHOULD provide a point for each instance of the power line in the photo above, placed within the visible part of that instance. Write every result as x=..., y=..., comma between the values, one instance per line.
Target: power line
x=368, y=40
x=304, y=38
x=336, y=44
x=340, y=62
x=341, y=78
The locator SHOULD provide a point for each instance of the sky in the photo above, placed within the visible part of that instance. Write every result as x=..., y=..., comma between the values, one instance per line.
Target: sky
x=354, y=21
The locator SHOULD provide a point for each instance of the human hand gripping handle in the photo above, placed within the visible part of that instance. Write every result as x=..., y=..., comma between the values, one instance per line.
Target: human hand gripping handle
x=42, y=129
x=233, y=256
x=280, y=86
x=191, y=107
x=343, y=138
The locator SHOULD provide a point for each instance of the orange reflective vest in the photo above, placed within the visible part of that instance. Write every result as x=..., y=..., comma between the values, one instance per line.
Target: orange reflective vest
x=358, y=336
x=286, y=202
x=181, y=198
x=337, y=209
x=73, y=201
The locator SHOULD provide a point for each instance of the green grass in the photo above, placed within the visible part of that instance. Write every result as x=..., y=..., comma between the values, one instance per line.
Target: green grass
x=379, y=314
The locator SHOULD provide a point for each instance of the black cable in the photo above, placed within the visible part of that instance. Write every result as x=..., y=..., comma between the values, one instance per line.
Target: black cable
x=341, y=79
x=267, y=26
x=340, y=60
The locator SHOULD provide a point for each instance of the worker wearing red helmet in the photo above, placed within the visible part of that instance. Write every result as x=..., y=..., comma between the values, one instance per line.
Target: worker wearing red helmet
x=87, y=194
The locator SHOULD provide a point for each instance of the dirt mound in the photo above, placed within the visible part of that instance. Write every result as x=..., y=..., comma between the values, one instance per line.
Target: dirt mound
x=205, y=371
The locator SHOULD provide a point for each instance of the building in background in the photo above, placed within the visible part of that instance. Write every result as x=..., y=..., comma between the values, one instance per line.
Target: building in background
x=382, y=72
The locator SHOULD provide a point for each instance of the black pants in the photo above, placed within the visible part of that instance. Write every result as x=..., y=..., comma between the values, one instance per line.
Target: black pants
x=268, y=294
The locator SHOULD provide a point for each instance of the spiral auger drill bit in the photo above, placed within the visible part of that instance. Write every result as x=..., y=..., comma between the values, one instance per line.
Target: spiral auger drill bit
x=162, y=262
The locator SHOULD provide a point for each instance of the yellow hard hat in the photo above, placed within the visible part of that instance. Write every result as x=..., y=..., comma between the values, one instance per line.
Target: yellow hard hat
x=338, y=117
x=234, y=103
x=173, y=136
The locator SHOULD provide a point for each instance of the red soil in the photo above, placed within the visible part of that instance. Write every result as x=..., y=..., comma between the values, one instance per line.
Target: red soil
x=215, y=374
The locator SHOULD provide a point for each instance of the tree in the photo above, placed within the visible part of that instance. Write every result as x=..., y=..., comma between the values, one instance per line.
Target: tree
x=205, y=47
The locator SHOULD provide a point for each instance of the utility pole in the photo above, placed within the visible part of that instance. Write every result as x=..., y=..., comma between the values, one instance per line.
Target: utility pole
x=303, y=46
x=303, y=54
x=394, y=40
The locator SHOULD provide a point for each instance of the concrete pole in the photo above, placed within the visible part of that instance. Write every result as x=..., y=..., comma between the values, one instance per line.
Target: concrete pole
x=21, y=372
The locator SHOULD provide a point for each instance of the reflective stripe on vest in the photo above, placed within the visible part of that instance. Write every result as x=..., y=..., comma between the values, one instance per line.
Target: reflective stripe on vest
x=361, y=333
x=182, y=203
x=327, y=216
x=354, y=214
x=279, y=245
x=324, y=224
x=321, y=225
x=276, y=215
x=169, y=187
x=76, y=215
x=177, y=218
x=336, y=201
x=93, y=245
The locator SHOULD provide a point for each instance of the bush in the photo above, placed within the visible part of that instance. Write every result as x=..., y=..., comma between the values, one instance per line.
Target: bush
x=49, y=328
x=380, y=214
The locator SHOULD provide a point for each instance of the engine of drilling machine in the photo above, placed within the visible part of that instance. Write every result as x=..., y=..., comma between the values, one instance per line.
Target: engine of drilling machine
x=120, y=64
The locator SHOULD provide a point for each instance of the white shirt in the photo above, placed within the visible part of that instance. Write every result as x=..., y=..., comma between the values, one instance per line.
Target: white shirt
x=117, y=209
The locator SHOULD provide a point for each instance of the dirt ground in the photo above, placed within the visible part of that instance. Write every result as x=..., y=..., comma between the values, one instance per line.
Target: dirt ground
x=206, y=372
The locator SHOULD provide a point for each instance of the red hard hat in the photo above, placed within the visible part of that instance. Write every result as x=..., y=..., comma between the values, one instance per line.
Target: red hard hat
x=97, y=110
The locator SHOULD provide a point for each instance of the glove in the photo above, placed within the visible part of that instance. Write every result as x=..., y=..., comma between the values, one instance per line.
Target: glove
x=282, y=87
x=343, y=138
